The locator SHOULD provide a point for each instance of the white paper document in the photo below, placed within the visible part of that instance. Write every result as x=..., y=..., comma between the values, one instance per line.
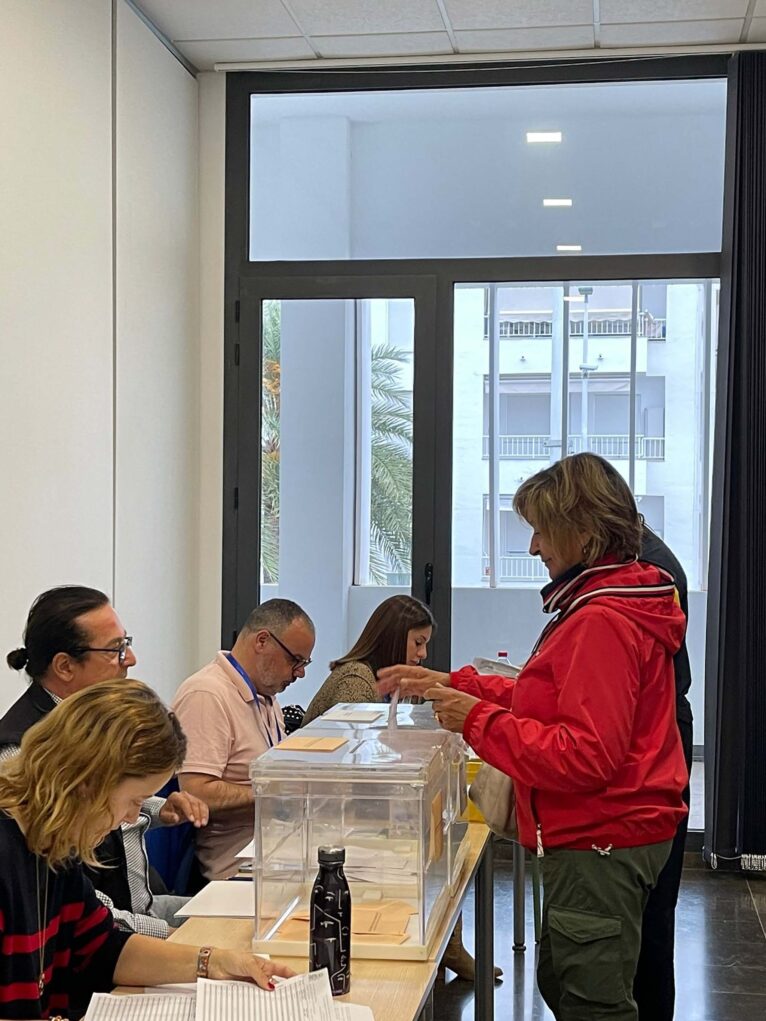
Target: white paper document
x=247, y=851
x=163, y=1007
x=223, y=898
x=351, y=1012
x=353, y=715
x=392, y=709
x=302, y=998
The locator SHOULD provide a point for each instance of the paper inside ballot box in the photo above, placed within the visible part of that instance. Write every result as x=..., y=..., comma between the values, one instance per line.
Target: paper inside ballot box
x=385, y=922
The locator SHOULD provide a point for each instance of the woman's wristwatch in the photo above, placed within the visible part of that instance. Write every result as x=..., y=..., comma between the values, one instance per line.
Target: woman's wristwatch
x=203, y=961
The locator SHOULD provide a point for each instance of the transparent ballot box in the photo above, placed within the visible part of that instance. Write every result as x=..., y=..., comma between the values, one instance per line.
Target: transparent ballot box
x=361, y=716
x=391, y=800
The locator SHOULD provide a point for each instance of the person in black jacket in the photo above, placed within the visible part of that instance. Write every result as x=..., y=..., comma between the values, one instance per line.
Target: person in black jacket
x=654, y=985
x=74, y=639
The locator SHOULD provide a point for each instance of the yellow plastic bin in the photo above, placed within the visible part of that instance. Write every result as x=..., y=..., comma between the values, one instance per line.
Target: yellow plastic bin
x=472, y=813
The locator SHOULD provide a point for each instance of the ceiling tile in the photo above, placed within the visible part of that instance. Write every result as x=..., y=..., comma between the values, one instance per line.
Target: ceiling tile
x=757, y=33
x=635, y=12
x=224, y=19
x=556, y=38
x=493, y=14
x=671, y=32
x=760, y=9
x=204, y=54
x=363, y=17
x=382, y=44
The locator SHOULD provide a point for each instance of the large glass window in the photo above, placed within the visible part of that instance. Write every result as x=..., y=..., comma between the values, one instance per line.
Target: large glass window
x=623, y=369
x=430, y=173
x=579, y=369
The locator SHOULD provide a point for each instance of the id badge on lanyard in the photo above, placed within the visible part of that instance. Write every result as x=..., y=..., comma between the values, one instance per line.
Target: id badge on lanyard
x=262, y=711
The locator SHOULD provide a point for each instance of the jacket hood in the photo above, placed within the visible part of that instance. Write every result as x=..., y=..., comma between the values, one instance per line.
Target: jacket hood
x=643, y=592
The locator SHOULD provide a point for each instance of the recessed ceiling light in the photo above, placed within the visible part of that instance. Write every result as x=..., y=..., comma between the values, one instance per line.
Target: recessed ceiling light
x=568, y=248
x=573, y=297
x=543, y=136
x=557, y=202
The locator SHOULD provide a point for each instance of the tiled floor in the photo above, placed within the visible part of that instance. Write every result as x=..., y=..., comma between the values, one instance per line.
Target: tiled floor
x=720, y=954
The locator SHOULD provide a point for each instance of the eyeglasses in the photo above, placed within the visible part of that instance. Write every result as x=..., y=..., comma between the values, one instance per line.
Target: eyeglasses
x=120, y=651
x=299, y=662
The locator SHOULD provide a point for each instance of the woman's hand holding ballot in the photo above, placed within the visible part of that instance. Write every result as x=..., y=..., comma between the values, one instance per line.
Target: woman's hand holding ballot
x=410, y=680
x=451, y=708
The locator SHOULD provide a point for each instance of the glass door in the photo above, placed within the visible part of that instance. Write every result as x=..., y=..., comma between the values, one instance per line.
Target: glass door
x=327, y=440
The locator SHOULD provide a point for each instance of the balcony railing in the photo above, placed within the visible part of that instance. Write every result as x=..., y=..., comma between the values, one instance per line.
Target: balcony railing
x=517, y=567
x=615, y=446
x=528, y=447
x=613, y=326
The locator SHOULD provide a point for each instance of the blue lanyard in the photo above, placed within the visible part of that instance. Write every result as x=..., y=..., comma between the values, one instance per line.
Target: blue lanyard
x=242, y=673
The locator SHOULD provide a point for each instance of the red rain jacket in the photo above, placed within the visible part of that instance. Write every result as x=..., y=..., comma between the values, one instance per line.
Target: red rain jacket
x=588, y=729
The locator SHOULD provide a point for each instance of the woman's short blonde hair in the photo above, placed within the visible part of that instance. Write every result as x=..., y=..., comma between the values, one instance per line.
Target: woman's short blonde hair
x=59, y=785
x=582, y=495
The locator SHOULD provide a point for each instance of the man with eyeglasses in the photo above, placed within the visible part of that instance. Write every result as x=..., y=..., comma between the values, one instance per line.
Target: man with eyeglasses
x=230, y=715
x=73, y=639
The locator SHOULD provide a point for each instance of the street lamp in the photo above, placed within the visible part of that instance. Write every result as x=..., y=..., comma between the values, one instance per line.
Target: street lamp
x=585, y=369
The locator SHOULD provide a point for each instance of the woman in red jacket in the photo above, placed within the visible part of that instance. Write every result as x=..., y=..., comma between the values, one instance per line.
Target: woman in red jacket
x=587, y=732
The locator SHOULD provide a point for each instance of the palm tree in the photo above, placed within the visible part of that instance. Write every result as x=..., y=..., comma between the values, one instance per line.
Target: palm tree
x=391, y=465
x=390, y=457
x=270, y=397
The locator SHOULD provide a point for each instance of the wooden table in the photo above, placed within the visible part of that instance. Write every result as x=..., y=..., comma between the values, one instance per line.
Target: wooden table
x=394, y=990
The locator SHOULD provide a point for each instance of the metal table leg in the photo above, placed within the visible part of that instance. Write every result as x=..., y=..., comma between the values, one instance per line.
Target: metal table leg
x=484, y=988
x=518, y=897
x=427, y=1013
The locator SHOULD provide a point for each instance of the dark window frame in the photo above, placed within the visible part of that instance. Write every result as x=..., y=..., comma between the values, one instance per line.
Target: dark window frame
x=433, y=279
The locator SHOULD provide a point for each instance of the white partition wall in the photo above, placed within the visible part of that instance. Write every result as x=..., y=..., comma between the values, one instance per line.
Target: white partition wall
x=55, y=306
x=100, y=377
x=157, y=349
x=212, y=134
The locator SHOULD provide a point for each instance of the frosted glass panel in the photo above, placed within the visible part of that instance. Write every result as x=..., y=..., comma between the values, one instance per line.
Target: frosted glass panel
x=450, y=173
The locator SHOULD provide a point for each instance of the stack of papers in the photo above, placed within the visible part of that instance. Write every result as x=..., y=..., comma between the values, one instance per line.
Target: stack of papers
x=302, y=998
x=496, y=666
x=222, y=898
x=351, y=715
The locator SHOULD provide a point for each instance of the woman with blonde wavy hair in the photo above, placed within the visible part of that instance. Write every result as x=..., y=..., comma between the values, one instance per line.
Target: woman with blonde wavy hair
x=82, y=771
x=587, y=731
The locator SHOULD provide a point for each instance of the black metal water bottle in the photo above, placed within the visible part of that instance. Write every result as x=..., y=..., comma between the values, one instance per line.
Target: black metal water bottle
x=330, y=938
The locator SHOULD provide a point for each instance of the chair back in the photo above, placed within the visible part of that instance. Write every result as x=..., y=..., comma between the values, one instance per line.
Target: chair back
x=171, y=849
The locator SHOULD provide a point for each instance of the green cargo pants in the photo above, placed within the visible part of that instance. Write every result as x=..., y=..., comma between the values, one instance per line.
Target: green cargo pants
x=591, y=934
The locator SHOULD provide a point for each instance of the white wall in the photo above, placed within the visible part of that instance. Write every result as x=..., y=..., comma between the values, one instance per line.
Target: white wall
x=68, y=375
x=157, y=346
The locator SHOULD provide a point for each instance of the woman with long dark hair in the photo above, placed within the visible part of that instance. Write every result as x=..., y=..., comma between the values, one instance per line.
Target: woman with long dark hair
x=398, y=631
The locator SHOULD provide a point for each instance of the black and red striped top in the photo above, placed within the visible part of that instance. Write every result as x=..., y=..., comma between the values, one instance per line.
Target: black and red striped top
x=81, y=943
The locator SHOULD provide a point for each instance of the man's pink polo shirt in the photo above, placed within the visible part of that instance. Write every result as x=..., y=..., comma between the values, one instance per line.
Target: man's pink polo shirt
x=225, y=731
